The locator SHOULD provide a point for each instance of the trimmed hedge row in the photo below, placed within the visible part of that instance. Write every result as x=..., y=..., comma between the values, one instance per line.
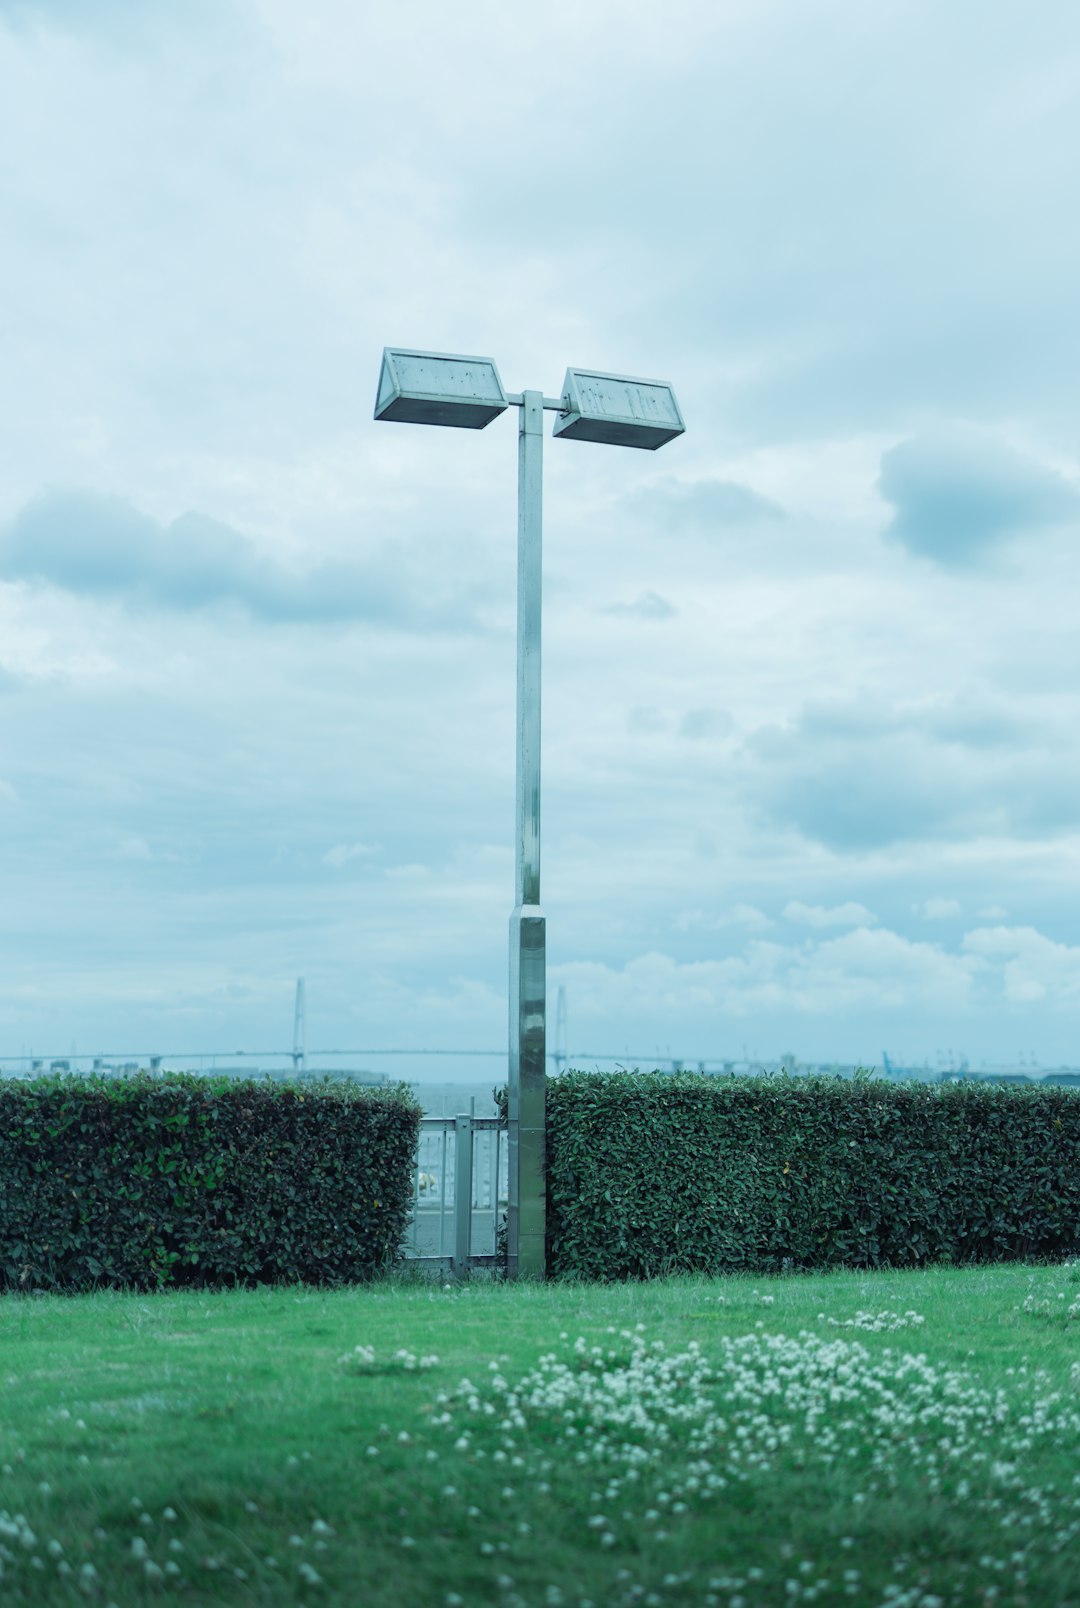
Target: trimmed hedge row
x=140, y=1182
x=650, y=1174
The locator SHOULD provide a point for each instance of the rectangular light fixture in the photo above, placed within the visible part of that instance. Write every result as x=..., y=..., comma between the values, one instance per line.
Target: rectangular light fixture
x=439, y=388
x=621, y=411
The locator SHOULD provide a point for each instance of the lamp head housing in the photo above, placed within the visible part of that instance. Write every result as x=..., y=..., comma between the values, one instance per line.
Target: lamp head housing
x=619, y=410
x=439, y=388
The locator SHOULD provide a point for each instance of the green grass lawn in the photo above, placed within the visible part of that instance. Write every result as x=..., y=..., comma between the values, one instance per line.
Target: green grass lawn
x=739, y=1442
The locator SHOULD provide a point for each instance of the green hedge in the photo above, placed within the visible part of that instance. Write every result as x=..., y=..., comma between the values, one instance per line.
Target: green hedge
x=650, y=1173
x=144, y=1181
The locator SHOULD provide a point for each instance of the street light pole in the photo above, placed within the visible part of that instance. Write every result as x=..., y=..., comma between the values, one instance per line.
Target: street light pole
x=526, y=1089
x=467, y=393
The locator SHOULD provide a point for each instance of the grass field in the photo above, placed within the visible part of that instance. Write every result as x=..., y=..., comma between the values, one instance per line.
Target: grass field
x=736, y=1442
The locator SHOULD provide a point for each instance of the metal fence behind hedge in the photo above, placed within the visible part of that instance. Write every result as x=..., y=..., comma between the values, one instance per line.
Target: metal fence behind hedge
x=460, y=1187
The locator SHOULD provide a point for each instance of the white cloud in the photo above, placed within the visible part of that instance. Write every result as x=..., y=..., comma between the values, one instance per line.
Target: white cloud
x=849, y=914
x=701, y=723
x=103, y=547
x=648, y=606
x=646, y=718
x=342, y=853
x=863, y=773
x=746, y=916
x=878, y=969
x=957, y=493
x=707, y=505
x=133, y=848
x=936, y=909
x=750, y=916
x=1035, y=969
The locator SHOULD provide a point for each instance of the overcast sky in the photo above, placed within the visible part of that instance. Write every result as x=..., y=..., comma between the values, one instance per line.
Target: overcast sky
x=811, y=735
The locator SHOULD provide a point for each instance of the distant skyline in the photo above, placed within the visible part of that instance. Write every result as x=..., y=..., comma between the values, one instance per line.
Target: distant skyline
x=811, y=752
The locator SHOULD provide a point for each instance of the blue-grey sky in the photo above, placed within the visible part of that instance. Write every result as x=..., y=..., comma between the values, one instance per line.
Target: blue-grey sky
x=811, y=753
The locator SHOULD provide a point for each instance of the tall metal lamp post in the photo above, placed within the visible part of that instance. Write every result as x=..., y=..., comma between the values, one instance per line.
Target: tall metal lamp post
x=467, y=393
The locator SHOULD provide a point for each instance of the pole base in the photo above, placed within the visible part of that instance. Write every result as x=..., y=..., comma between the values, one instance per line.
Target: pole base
x=527, y=1095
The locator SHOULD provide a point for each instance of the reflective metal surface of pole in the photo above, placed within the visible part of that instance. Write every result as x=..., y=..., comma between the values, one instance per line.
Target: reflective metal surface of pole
x=527, y=1206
